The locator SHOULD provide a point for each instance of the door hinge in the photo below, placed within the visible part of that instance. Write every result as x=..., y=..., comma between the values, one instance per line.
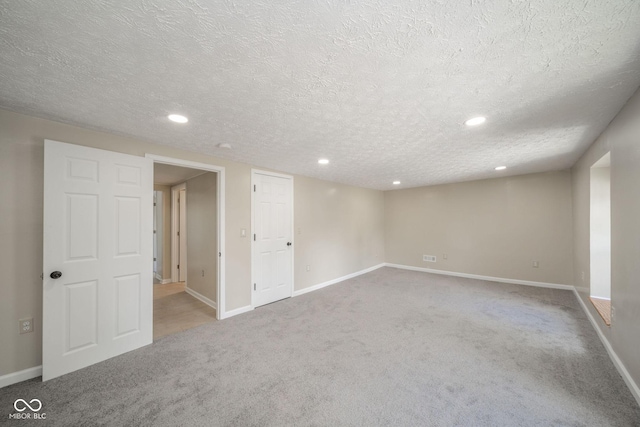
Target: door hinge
x=220, y=254
x=254, y=286
x=254, y=188
x=154, y=204
x=178, y=233
x=155, y=259
x=154, y=231
x=254, y=237
x=178, y=265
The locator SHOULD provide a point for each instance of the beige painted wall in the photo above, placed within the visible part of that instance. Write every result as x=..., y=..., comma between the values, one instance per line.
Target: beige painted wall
x=166, y=229
x=494, y=227
x=622, y=139
x=202, y=235
x=338, y=230
x=21, y=169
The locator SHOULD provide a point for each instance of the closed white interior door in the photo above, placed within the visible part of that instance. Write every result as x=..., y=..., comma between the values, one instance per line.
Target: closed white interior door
x=155, y=232
x=158, y=219
x=97, y=258
x=182, y=201
x=273, y=238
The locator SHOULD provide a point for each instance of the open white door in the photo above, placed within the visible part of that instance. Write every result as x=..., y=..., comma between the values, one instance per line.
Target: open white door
x=273, y=237
x=98, y=218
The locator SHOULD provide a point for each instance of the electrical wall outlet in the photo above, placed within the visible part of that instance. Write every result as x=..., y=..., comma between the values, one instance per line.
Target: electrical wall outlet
x=536, y=264
x=308, y=268
x=445, y=256
x=429, y=258
x=26, y=325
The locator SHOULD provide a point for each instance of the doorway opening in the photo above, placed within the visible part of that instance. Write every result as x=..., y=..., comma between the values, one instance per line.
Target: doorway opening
x=189, y=246
x=600, y=237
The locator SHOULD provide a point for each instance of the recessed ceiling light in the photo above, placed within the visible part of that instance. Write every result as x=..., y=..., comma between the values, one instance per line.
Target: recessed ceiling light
x=396, y=182
x=178, y=118
x=323, y=161
x=475, y=121
x=501, y=168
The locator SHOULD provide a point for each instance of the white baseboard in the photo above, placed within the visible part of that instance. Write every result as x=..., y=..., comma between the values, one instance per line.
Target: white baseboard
x=488, y=278
x=18, y=377
x=160, y=279
x=334, y=281
x=201, y=297
x=635, y=390
x=235, y=312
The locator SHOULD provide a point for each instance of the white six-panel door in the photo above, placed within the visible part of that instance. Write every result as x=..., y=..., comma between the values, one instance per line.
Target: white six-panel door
x=98, y=230
x=273, y=238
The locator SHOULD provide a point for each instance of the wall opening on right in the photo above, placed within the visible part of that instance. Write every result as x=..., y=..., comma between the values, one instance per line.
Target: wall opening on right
x=600, y=237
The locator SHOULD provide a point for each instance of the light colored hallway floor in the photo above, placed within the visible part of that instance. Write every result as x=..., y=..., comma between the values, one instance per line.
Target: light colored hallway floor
x=174, y=310
x=603, y=307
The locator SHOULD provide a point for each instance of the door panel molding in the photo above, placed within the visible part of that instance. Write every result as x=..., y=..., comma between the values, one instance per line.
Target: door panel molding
x=97, y=231
x=257, y=259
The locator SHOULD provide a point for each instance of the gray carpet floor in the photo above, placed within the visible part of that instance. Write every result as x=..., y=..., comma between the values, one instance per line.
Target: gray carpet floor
x=392, y=347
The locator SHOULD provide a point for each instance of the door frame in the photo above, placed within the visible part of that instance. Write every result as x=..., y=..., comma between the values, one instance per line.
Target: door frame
x=255, y=172
x=221, y=312
x=175, y=226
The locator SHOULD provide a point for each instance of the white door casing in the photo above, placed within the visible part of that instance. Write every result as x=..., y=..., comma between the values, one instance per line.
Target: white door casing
x=221, y=312
x=155, y=233
x=272, y=237
x=176, y=245
x=182, y=259
x=98, y=231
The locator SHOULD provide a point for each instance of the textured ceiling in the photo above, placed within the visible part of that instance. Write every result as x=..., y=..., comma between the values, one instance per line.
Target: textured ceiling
x=380, y=88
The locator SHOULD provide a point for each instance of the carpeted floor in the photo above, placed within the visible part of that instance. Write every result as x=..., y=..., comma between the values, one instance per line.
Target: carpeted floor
x=390, y=347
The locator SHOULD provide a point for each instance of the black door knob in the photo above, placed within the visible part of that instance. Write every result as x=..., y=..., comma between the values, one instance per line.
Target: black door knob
x=288, y=243
x=55, y=275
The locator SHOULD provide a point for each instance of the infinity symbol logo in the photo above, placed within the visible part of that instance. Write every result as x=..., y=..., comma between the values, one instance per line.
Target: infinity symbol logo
x=26, y=405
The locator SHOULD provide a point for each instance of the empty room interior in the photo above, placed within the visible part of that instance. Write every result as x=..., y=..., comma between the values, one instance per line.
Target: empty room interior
x=320, y=213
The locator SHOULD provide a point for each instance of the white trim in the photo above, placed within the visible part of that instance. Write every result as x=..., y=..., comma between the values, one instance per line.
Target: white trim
x=477, y=276
x=334, y=281
x=18, y=377
x=255, y=172
x=220, y=170
x=161, y=280
x=199, y=296
x=269, y=173
x=237, y=311
x=635, y=390
x=157, y=276
x=175, y=226
x=633, y=387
